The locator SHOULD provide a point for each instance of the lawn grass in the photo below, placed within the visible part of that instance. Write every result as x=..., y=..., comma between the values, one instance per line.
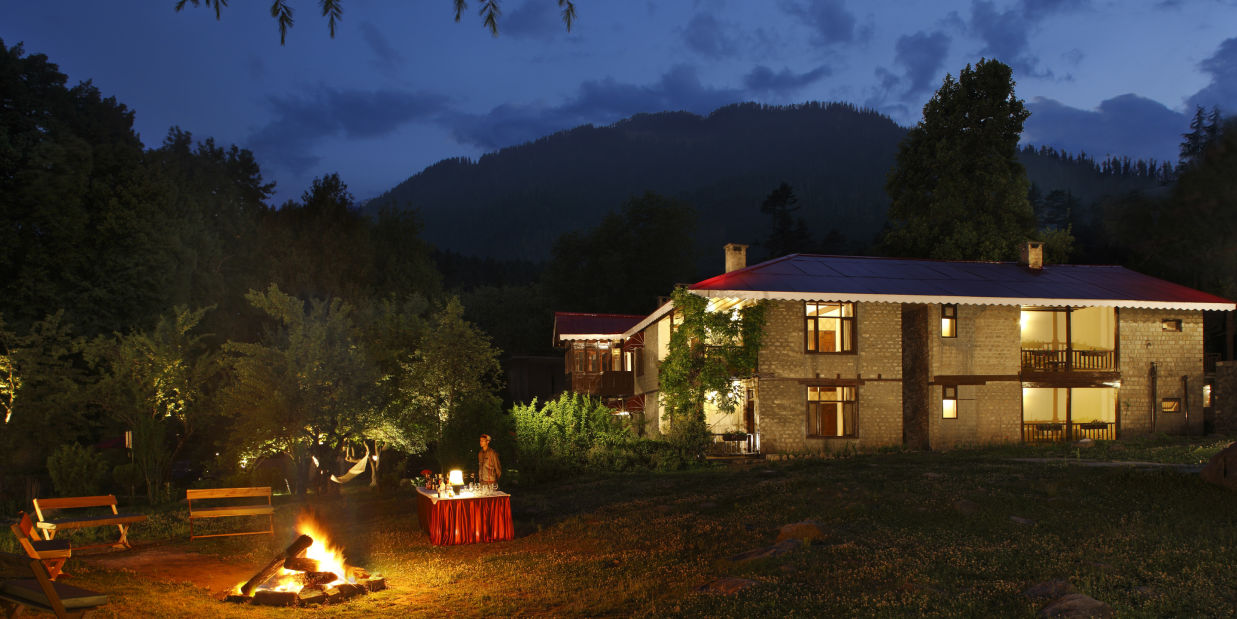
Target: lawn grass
x=1150, y=542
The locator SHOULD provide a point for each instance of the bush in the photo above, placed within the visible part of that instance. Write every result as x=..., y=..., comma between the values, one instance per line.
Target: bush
x=573, y=433
x=77, y=470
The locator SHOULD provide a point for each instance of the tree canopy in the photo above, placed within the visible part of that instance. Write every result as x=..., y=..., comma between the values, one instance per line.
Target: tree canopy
x=957, y=189
x=333, y=11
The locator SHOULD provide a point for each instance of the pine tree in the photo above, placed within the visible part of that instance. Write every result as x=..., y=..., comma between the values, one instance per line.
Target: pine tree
x=957, y=189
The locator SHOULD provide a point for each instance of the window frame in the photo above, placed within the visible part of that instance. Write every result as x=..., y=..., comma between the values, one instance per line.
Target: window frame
x=949, y=312
x=1171, y=325
x=846, y=324
x=849, y=407
x=949, y=394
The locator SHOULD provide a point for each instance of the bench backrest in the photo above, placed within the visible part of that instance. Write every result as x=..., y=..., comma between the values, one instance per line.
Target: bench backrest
x=24, y=526
x=41, y=505
x=226, y=493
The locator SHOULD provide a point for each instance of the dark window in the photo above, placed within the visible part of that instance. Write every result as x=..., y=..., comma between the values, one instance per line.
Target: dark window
x=577, y=355
x=949, y=402
x=592, y=363
x=831, y=411
x=640, y=361
x=1171, y=324
x=949, y=320
x=829, y=327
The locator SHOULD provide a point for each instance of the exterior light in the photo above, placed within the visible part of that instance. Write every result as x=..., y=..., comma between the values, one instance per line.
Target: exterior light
x=456, y=477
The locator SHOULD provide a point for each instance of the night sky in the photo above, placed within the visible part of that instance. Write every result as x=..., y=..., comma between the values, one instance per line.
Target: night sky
x=402, y=85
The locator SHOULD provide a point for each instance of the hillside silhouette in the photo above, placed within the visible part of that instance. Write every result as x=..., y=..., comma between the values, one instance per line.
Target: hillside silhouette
x=514, y=203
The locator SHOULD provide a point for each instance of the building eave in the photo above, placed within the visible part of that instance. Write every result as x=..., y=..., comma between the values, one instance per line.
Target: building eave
x=961, y=300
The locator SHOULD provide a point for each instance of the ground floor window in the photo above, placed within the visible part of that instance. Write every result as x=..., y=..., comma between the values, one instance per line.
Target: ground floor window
x=831, y=411
x=1068, y=413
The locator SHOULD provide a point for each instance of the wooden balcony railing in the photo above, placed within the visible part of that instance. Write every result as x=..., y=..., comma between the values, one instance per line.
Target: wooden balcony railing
x=1056, y=432
x=617, y=384
x=1069, y=360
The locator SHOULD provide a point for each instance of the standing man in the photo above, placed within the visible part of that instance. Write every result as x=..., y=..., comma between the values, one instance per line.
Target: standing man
x=489, y=469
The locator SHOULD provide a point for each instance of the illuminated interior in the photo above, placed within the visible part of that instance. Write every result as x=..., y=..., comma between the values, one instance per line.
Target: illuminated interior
x=1084, y=328
x=1078, y=404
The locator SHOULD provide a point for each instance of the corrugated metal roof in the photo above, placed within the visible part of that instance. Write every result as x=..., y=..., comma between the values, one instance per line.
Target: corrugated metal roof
x=853, y=278
x=576, y=326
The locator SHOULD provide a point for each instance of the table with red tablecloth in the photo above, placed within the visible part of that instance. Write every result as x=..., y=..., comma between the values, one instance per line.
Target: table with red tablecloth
x=465, y=519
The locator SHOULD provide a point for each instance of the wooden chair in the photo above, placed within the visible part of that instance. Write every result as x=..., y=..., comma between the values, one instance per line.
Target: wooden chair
x=52, y=552
x=40, y=593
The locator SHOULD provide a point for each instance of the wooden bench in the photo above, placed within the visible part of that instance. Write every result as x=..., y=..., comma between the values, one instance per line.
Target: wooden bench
x=40, y=593
x=53, y=552
x=120, y=521
x=219, y=511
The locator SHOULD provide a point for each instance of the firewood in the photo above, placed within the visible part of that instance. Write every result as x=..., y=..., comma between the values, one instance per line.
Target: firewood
x=311, y=596
x=298, y=546
x=373, y=583
x=301, y=564
x=319, y=578
x=271, y=597
x=237, y=598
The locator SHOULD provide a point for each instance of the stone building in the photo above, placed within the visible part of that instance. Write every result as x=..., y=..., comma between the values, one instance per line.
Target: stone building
x=863, y=352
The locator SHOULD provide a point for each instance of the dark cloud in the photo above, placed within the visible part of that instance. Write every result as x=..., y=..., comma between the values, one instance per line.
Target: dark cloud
x=829, y=20
x=386, y=58
x=1127, y=125
x=596, y=102
x=1222, y=91
x=1005, y=36
x=707, y=36
x=1005, y=33
x=763, y=80
x=533, y=19
x=300, y=122
x=922, y=56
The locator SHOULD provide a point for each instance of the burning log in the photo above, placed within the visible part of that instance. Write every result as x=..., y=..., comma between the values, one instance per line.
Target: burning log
x=312, y=596
x=301, y=544
x=318, y=578
x=301, y=564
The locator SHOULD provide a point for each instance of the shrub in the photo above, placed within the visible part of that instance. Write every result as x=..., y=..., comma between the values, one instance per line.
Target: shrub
x=77, y=470
x=572, y=433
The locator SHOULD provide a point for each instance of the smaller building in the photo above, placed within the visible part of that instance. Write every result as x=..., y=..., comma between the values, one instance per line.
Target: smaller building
x=595, y=359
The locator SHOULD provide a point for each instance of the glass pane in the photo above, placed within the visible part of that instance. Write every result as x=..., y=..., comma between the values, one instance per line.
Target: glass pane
x=1043, y=330
x=1093, y=328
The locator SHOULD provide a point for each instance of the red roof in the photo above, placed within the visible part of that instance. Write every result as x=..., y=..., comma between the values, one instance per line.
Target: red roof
x=572, y=325
x=851, y=278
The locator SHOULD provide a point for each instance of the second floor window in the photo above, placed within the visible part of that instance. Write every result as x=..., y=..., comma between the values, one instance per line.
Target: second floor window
x=830, y=327
x=949, y=320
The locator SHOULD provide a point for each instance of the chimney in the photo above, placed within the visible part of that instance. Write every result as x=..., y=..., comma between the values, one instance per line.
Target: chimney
x=736, y=256
x=1032, y=255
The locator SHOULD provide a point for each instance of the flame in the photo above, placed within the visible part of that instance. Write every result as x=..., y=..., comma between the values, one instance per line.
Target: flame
x=329, y=558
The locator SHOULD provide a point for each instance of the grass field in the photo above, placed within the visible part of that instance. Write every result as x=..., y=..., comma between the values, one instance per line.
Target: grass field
x=963, y=533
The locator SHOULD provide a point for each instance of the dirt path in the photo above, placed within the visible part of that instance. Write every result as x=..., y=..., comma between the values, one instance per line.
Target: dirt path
x=170, y=564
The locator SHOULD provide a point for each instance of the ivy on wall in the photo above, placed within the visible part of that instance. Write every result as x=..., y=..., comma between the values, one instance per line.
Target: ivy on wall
x=707, y=352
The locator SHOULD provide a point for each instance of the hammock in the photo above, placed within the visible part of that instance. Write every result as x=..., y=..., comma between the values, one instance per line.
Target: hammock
x=356, y=469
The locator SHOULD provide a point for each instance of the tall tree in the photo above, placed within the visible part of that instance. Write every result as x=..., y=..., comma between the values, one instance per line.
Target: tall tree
x=306, y=390
x=624, y=264
x=788, y=234
x=957, y=188
x=453, y=364
x=155, y=384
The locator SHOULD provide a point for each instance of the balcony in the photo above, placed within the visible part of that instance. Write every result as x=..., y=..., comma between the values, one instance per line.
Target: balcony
x=1069, y=360
x=617, y=383
x=1059, y=432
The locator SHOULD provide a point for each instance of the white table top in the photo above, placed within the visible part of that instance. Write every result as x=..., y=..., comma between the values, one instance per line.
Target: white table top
x=463, y=496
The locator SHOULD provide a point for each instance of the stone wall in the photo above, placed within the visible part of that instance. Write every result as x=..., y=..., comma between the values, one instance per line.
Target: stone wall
x=1224, y=398
x=987, y=347
x=785, y=366
x=1143, y=340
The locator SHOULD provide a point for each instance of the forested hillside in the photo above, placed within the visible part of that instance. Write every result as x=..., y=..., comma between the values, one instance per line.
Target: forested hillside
x=514, y=203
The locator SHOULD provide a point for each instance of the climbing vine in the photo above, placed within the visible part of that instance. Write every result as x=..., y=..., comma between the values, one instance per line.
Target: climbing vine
x=707, y=352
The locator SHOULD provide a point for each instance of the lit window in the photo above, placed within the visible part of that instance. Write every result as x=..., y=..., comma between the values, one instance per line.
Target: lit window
x=1171, y=324
x=831, y=411
x=949, y=320
x=830, y=327
x=1170, y=405
x=1206, y=395
x=949, y=401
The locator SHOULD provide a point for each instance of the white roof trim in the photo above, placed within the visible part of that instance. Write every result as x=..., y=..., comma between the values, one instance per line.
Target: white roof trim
x=591, y=336
x=910, y=298
x=650, y=319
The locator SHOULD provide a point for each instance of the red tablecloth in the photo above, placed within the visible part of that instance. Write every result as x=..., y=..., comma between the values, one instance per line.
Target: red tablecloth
x=465, y=520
